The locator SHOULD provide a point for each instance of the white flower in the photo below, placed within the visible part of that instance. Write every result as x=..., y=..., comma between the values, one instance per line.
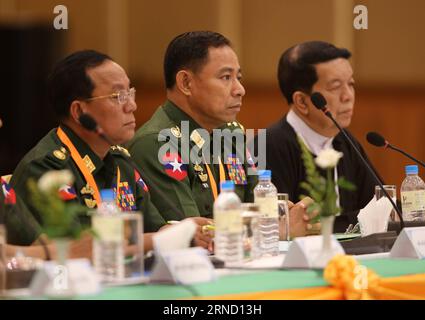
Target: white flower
x=328, y=158
x=54, y=179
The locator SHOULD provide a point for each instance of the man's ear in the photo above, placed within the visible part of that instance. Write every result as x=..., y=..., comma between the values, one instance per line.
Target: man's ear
x=300, y=102
x=76, y=110
x=183, y=82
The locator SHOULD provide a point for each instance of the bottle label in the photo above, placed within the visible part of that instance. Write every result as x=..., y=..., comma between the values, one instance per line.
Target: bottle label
x=413, y=201
x=228, y=221
x=268, y=207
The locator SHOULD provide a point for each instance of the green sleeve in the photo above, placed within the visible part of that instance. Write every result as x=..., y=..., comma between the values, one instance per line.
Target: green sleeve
x=173, y=198
x=152, y=220
x=21, y=227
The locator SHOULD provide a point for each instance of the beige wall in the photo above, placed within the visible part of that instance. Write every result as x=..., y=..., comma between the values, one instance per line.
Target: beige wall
x=136, y=32
x=392, y=50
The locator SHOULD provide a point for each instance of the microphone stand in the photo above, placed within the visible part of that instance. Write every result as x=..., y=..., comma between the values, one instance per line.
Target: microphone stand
x=405, y=154
x=329, y=115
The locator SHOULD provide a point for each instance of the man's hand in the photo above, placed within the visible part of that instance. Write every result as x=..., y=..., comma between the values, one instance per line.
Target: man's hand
x=203, y=239
x=299, y=220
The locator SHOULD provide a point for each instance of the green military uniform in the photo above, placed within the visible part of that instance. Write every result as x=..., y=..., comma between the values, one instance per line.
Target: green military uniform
x=21, y=227
x=51, y=154
x=187, y=186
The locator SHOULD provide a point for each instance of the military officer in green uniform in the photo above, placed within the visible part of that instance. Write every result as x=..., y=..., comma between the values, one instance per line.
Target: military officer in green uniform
x=177, y=147
x=187, y=120
x=89, y=82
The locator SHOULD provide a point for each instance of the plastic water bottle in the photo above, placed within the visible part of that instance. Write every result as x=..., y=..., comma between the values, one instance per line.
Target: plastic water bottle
x=228, y=225
x=265, y=195
x=413, y=195
x=108, y=246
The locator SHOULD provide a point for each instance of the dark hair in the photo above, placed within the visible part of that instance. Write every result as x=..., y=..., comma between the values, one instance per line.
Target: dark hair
x=69, y=80
x=189, y=50
x=296, y=71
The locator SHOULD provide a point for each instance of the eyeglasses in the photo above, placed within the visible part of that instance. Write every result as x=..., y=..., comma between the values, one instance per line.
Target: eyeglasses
x=121, y=96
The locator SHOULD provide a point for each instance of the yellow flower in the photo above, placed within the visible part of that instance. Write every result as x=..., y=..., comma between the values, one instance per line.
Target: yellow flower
x=354, y=280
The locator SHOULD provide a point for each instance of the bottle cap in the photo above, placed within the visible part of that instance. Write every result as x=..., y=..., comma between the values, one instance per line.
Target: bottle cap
x=265, y=174
x=412, y=169
x=227, y=185
x=107, y=195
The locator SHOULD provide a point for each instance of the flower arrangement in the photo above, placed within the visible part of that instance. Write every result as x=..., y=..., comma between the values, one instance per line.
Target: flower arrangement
x=59, y=217
x=321, y=189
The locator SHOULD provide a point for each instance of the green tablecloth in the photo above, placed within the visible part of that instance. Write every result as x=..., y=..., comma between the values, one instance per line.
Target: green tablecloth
x=254, y=282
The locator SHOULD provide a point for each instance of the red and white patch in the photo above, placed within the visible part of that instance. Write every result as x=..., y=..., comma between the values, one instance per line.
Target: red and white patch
x=173, y=166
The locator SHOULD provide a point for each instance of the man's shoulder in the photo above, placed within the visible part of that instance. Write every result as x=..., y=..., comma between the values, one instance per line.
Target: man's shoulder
x=47, y=154
x=49, y=151
x=159, y=121
x=281, y=133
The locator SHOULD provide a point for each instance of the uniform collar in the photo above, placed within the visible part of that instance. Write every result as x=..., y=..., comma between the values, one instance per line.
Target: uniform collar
x=315, y=142
x=178, y=115
x=84, y=149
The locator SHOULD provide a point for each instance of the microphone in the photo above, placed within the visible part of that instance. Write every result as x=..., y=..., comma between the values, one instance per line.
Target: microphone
x=320, y=103
x=88, y=122
x=377, y=140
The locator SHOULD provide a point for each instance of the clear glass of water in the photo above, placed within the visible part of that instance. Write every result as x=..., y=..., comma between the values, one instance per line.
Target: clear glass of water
x=118, y=247
x=392, y=192
x=250, y=233
x=282, y=201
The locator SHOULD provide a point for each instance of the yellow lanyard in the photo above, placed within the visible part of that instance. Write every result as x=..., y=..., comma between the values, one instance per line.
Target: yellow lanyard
x=118, y=187
x=80, y=164
x=213, y=184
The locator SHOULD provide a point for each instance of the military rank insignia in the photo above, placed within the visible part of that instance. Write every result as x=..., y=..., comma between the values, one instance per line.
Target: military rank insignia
x=125, y=197
x=235, y=170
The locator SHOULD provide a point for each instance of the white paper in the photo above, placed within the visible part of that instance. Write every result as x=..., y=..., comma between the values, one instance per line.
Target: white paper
x=175, y=261
x=410, y=244
x=77, y=277
x=375, y=216
x=303, y=252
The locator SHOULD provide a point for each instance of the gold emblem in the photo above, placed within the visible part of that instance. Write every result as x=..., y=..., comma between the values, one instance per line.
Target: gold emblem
x=87, y=190
x=176, y=132
x=203, y=177
x=196, y=137
x=124, y=150
x=89, y=164
x=59, y=154
x=63, y=149
x=91, y=203
x=198, y=168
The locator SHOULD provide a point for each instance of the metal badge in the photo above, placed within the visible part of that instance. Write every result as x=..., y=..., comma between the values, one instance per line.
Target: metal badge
x=59, y=154
x=176, y=132
x=89, y=164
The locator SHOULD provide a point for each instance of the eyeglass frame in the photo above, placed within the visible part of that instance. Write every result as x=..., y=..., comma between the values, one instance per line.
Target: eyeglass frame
x=116, y=95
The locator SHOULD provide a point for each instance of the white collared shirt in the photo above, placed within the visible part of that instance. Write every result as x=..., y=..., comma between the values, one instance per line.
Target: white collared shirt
x=314, y=141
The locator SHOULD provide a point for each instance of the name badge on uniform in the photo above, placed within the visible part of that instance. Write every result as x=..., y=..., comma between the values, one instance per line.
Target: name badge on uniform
x=235, y=170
